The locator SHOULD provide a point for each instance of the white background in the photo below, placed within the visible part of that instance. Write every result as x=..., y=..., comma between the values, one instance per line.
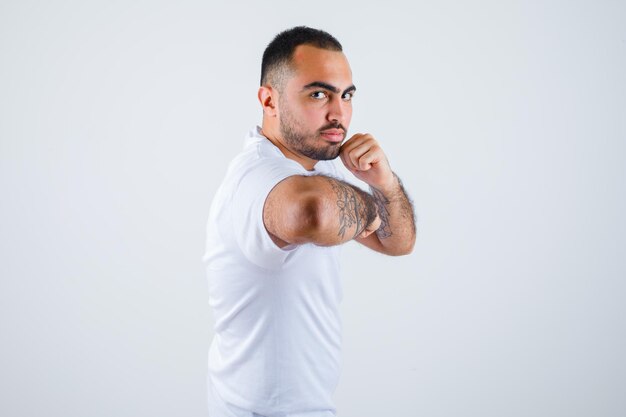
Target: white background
x=506, y=121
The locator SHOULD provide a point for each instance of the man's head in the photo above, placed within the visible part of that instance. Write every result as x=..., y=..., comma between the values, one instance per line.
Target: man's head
x=306, y=91
x=277, y=59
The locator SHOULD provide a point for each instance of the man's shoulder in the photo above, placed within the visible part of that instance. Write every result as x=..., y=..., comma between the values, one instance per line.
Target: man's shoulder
x=260, y=155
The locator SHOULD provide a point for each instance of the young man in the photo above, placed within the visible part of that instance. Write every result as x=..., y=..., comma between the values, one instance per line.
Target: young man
x=274, y=231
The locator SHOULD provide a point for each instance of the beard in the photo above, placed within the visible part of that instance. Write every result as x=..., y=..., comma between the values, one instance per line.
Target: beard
x=309, y=144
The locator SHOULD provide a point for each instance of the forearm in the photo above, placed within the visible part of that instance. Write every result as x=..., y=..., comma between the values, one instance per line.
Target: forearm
x=396, y=233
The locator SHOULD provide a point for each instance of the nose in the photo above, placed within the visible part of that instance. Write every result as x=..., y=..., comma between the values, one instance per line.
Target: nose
x=338, y=110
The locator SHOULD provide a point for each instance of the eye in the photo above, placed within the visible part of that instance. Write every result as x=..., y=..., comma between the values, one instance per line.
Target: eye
x=348, y=96
x=319, y=95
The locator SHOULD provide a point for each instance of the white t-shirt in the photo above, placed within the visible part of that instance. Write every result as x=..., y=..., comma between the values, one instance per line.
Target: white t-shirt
x=277, y=334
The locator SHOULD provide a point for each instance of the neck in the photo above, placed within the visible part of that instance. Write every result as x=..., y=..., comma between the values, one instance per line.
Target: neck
x=272, y=134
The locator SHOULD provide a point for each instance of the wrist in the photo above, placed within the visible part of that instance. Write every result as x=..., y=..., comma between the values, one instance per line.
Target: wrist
x=390, y=188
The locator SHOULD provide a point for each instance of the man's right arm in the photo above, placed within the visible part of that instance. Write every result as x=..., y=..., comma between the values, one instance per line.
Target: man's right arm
x=318, y=209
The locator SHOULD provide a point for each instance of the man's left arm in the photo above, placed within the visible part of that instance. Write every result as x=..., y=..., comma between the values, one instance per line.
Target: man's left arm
x=365, y=159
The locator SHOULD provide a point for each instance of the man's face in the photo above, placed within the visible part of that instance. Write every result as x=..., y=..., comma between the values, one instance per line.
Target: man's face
x=315, y=106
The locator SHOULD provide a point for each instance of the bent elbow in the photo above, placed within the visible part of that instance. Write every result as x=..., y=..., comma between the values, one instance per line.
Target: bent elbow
x=409, y=249
x=406, y=248
x=410, y=246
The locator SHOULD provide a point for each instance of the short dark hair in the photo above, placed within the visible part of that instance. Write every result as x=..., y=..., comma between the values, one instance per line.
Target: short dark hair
x=278, y=54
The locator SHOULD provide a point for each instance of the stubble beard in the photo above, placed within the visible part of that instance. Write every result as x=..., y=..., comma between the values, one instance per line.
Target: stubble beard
x=304, y=143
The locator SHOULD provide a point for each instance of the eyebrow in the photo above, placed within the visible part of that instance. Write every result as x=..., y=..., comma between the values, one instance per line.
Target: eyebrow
x=326, y=86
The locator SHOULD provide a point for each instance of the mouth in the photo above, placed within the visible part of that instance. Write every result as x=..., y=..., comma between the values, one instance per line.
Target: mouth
x=333, y=135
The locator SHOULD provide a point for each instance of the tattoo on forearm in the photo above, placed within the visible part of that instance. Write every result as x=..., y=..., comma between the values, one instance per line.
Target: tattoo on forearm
x=355, y=208
x=384, y=231
x=348, y=207
x=404, y=203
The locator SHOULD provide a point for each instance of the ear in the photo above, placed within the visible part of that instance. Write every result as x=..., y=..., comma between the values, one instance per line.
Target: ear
x=268, y=99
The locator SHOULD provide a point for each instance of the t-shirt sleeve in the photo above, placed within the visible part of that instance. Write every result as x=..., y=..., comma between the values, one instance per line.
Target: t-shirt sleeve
x=248, y=202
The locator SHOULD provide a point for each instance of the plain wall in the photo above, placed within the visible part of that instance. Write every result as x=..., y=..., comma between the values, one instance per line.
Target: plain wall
x=505, y=120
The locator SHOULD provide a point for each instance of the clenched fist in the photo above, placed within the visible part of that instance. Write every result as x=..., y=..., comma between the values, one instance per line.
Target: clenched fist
x=364, y=158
